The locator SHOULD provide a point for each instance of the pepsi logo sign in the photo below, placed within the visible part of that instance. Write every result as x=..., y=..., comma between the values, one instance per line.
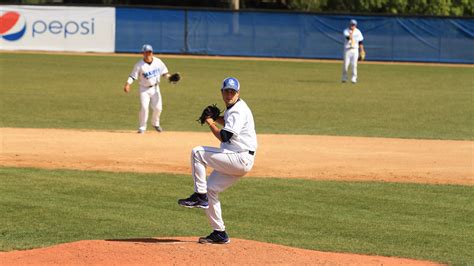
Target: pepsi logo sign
x=12, y=26
x=57, y=28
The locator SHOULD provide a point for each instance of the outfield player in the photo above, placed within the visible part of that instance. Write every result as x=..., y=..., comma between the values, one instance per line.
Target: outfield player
x=148, y=71
x=232, y=160
x=353, y=42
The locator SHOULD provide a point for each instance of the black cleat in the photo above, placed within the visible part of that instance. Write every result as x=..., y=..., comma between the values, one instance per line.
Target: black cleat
x=216, y=237
x=196, y=200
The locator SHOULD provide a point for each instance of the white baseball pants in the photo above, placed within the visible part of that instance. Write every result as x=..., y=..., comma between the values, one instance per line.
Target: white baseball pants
x=228, y=167
x=149, y=96
x=351, y=55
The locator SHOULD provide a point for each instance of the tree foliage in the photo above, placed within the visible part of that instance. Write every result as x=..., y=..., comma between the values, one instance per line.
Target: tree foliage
x=400, y=7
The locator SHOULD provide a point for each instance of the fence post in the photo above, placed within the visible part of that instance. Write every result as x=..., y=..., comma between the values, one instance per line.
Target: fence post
x=440, y=33
x=394, y=20
x=235, y=22
x=186, y=44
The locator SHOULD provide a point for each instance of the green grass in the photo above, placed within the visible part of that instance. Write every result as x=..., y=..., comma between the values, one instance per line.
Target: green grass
x=406, y=101
x=45, y=207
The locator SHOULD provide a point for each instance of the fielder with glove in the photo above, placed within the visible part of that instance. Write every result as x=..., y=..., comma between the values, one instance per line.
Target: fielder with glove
x=235, y=157
x=149, y=70
x=352, y=45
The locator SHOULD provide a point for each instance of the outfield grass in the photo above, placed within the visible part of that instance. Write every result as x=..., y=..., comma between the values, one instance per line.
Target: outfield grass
x=44, y=207
x=407, y=101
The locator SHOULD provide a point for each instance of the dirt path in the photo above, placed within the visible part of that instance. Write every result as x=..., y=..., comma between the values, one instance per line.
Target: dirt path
x=295, y=156
x=185, y=251
x=238, y=58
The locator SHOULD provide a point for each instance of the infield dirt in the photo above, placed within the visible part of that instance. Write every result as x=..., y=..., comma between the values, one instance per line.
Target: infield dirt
x=284, y=156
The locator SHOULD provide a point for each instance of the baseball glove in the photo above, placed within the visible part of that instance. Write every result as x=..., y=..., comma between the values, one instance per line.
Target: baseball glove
x=174, y=78
x=362, y=55
x=211, y=111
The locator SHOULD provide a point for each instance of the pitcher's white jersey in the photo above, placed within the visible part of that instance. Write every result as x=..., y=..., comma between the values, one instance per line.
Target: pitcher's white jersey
x=239, y=121
x=148, y=74
x=356, y=38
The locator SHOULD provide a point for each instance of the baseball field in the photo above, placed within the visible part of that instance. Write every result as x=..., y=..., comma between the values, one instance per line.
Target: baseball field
x=364, y=173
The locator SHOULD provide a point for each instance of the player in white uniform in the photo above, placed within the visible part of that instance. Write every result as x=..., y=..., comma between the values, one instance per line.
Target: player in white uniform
x=232, y=160
x=149, y=70
x=352, y=44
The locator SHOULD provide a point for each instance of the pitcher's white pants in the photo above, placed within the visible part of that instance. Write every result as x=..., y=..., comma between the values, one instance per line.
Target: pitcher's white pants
x=228, y=167
x=351, y=55
x=150, y=96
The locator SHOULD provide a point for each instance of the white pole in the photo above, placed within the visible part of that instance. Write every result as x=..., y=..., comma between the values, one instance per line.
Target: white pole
x=234, y=5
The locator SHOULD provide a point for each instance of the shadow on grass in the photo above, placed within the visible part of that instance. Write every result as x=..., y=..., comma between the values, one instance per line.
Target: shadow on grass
x=151, y=240
x=316, y=81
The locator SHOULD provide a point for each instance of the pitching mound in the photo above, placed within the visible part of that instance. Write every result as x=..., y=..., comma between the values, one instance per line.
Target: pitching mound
x=185, y=251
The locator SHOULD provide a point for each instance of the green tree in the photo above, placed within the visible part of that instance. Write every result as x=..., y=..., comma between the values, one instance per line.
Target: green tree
x=462, y=8
x=396, y=6
x=307, y=5
x=401, y=7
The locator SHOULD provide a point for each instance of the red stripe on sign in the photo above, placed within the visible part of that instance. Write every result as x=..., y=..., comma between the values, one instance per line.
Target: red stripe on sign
x=7, y=21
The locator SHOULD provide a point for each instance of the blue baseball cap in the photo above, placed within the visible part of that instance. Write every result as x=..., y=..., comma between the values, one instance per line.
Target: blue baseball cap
x=231, y=83
x=353, y=22
x=147, y=48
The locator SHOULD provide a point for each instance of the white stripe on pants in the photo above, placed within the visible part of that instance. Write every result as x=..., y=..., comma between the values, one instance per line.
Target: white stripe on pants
x=228, y=167
x=150, y=95
x=351, y=55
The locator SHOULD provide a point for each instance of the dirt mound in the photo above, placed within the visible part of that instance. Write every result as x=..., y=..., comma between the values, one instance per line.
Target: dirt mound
x=285, y=156
x=186, y=251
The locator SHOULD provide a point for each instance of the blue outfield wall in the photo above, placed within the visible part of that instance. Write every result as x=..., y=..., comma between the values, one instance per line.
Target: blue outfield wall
x=163, y=29
x=298, y=35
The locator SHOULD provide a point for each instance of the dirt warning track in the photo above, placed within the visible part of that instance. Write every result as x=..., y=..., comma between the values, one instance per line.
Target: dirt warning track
x=284, y=156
